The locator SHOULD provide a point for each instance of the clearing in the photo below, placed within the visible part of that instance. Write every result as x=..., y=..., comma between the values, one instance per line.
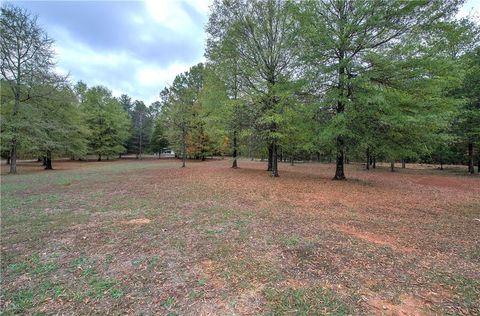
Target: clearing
x=147, y=237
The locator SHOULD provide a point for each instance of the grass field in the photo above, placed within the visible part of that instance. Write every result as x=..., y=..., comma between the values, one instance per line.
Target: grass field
x=130, y=237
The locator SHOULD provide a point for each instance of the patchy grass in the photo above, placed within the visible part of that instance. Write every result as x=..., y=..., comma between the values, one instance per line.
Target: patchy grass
x=148, y=237
x=306, y=301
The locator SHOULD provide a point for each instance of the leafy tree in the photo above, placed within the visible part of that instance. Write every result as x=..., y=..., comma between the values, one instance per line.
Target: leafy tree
x=468, y=121
x=62, y=127
x=337, y=36
x=180, y=102
x=262, y=33
x=26, y=57
x=159, y=139
x=108, y=123
x=126, y=103
x=142, y=123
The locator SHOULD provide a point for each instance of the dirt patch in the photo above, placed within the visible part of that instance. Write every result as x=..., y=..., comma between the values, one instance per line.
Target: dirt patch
x=409, y=306
x=374, y=238
x=209, y=270
x=137, y=221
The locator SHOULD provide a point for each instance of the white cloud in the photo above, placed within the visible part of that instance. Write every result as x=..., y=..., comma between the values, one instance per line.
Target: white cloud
x=470, y=8
x=170, y=14
x=159, y=76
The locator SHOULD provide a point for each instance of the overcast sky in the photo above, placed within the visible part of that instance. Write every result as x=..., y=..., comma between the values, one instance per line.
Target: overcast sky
x=132, y=47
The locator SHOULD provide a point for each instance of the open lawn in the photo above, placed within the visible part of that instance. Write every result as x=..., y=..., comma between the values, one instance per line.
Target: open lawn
x=147, y=237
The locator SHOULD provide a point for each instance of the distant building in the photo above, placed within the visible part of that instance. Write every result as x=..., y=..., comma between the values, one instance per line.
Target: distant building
x=167, y=153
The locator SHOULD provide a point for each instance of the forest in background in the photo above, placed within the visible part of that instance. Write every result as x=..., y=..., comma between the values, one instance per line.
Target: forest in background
x=332, y=81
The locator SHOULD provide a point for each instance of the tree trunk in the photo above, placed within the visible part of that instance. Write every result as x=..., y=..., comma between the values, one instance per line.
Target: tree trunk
x=392, y=166
x=184, y=149
x=48, y=161
x=234, y=164
x=368, y=159
x=270, y=157
x=99, y=158
x=274, y=160
x=13, y=158
x=374, y=162
x=471, y=169
x=291, y=161
x=441, y=164
x=8, y=160
x=339, y=171
x=16, y=108
x=403, y=164
x=340, y=144
x=478, y=165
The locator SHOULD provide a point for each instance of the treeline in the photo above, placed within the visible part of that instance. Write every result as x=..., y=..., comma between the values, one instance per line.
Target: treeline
x=44, y=116
x=332, y=80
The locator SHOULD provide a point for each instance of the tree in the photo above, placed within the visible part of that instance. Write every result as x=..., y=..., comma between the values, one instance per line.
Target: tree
x=159, y=139
x=179, y=104
x=338, y=35
x=126, y=103
x=26, y=55
x=108, y=123
x=468, y=121
x=262, y=34
x=62, y=128
x=142, y=123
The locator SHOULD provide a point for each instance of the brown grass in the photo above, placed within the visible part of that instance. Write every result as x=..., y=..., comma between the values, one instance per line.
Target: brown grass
x=208, y=239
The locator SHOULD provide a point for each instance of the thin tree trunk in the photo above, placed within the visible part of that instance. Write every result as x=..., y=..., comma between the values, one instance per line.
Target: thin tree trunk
x=8, y=160
x=184, y=148
x=368, y=159
x=274, y=160
x=270, y=157
x=374, y=162
x=291, y=161
x=48, y=161
x=13, y=151
x=441, y=164
x=339, y=171
x=13, y=158
x=392, y=166
x=44, y=161
x=471, y=169
x=234, y=164
x=100, y=157
x=478, y=165
x=403, y=164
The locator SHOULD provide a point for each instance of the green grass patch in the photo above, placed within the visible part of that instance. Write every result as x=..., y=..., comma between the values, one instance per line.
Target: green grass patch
x=307, y=301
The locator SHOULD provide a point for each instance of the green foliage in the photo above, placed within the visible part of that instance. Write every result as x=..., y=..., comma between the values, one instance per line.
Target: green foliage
x=107, y=122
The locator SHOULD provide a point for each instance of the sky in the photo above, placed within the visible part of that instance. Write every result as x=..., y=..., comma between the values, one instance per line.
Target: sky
x=131, y=47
